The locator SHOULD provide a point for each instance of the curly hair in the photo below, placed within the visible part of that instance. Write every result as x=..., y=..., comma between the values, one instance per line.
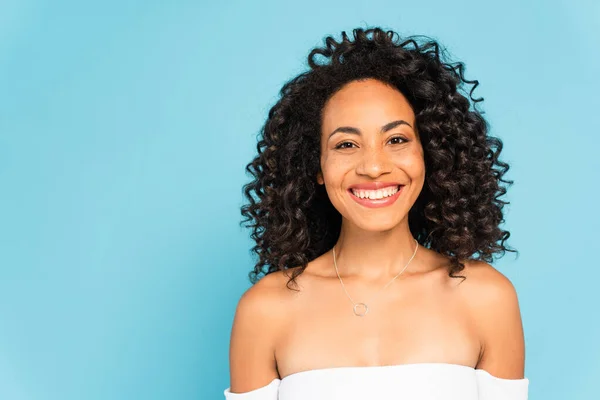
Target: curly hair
x=458, y=211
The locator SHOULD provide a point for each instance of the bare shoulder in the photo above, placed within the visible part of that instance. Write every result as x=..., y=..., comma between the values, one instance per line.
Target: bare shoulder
x=268, y=300
x=486, y=284
x=256, y=325
x=493, y=302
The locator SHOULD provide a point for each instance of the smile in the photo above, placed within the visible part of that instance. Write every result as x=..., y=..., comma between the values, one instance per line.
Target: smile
x=373, y=198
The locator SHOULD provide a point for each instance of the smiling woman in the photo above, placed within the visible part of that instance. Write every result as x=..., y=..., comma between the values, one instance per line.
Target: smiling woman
x=376, y=180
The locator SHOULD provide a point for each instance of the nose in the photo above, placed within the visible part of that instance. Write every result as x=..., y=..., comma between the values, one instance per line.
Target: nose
x=374, y=163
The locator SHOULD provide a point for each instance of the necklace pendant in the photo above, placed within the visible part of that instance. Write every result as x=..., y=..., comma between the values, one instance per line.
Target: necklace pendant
x=360, y=309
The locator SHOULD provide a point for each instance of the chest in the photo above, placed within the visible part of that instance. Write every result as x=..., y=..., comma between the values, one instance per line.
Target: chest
x=411, y=325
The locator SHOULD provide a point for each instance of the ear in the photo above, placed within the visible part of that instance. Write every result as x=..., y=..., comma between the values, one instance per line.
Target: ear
x=320, y=180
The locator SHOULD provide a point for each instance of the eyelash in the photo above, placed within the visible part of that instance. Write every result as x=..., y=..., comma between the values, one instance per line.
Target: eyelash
x=340, y=145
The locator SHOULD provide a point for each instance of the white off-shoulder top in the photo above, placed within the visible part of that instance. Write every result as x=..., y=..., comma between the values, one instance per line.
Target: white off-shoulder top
x=424, y=381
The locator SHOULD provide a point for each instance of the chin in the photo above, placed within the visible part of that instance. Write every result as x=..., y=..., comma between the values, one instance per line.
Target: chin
x=381, y=223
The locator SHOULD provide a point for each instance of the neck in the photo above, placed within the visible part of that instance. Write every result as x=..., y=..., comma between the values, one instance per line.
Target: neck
x=374, y=255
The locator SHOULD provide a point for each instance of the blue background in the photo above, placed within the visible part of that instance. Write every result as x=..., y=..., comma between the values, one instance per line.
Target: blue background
x=125, y=127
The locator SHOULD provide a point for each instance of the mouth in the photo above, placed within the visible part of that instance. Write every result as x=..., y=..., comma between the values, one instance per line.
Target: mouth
x=373, y=198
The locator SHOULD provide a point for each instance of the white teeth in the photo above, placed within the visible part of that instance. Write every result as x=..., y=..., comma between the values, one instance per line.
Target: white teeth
x=375, y=194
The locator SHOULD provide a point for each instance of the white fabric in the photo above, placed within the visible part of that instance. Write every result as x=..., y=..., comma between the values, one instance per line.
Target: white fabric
x=425, y=381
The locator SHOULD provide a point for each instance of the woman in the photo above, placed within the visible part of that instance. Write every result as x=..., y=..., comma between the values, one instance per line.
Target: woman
x=375, y=209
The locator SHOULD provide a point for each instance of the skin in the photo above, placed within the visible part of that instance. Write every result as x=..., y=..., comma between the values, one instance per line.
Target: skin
x=423, y=316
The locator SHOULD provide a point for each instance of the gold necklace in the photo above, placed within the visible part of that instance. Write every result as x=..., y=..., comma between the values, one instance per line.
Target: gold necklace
x=361, y=309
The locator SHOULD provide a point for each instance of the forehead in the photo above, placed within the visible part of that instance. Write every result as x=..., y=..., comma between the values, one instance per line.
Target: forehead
x=366, y=102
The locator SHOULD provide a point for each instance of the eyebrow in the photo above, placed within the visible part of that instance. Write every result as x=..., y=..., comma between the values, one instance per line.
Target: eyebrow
x=356, y=131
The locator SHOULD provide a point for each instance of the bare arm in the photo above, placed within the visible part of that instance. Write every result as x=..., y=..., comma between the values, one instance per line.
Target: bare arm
x=255, y=326
x=496, y=309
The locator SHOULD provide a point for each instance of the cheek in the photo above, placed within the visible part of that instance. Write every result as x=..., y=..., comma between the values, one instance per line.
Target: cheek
x=334, y=168
x=412, y=163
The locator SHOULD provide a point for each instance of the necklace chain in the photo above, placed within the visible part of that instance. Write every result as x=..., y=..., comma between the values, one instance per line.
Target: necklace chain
x=361, y=309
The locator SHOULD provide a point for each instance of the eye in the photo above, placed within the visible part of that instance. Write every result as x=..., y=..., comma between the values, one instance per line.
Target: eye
x=397, y=140
x=344, y=145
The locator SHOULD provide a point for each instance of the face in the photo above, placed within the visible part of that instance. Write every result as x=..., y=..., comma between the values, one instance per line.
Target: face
x=372, y=162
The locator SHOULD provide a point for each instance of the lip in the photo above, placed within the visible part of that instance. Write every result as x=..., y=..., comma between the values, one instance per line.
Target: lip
x=370, y=203
x=374, y=185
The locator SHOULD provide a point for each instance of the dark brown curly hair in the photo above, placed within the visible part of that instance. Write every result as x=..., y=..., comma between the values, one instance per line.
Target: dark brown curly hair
x=458, y=211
